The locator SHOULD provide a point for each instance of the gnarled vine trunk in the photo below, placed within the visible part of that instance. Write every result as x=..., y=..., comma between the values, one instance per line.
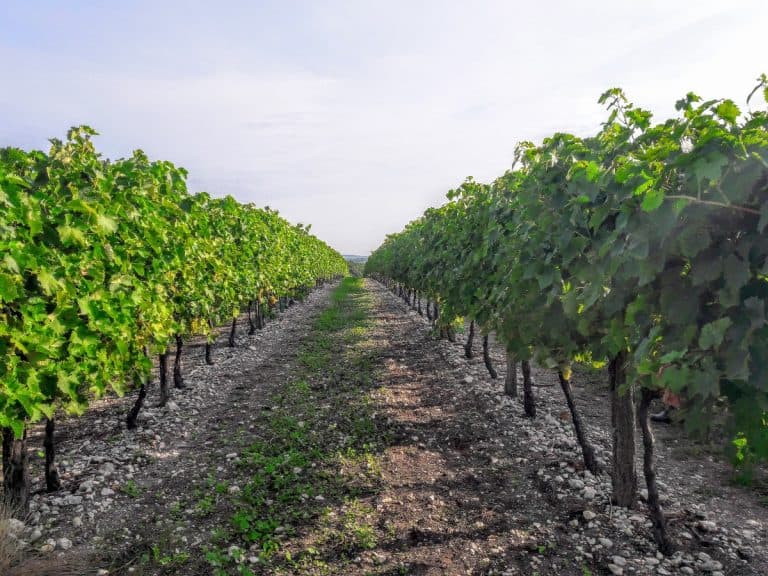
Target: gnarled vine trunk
x=649, y=469
x=468, y=353
x=52, y=480
x=163, y=368
x=590, y=462
x=15, y=473
x=259, y=315
x=487, y=358
x=233, y=330
x=624, y=477
x=209, y=344
x=178, y=379
x=131, y=421
x=251, y=323
x=529, y=400
x=510, y=379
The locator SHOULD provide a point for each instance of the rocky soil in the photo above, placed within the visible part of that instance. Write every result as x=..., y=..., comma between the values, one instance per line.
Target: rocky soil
x=116, y=479
x=467, y=484
x=564, y=511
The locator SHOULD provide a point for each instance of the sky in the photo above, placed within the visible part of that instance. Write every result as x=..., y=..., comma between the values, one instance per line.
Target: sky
x=355, y=115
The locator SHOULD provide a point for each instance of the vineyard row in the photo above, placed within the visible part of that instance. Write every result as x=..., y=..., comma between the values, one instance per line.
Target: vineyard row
x=106, y=265
x=642, y=247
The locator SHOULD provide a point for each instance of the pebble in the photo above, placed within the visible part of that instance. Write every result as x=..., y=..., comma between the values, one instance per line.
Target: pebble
x=35, y=535
x=589, y=515
x=711, y=566
x=73, y=500
x=14, y=526
x=86, y=486
x=576, y=484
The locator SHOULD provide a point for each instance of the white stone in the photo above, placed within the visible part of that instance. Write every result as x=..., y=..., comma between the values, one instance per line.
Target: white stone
x=35, y=535
x=589, y=515
x=14, y=526
x=64, y=543
x=606, y=542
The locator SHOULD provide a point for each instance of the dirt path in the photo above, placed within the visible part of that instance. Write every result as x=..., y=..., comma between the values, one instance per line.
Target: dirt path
x=530, y=481
x=124, y=490
x=345, y=440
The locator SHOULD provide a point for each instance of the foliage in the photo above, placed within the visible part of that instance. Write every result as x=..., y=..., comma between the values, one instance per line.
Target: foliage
x=102, y=260
x=644, y=238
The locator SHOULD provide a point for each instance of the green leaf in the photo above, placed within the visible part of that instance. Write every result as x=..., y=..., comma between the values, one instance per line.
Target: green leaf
x=736, y=272
x=70, y=235
x=8, y=288
x=728, y=111
x=710, y=167
x=675, y=378
x=11, y=264
x=653, y=199
x=105, y=224
x=593, y=171
x=18, y=428
x=712, y=334
x=672, y=356
x=693, y=240
x=48, y=282
x=644, y=186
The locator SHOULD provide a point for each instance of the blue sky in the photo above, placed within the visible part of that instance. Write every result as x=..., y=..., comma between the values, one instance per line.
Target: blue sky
x=355, y=115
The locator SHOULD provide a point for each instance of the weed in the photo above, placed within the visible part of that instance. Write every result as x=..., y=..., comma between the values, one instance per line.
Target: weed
x=130, y=489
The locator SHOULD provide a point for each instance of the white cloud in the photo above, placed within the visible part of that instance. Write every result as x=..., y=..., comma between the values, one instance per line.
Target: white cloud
x=356, y=116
